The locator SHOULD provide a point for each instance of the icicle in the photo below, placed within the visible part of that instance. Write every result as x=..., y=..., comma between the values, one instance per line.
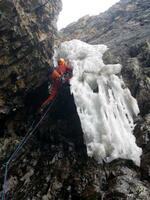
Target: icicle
x=105, y=107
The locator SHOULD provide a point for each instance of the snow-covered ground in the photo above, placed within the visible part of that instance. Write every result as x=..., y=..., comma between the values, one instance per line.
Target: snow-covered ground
x=105, y=106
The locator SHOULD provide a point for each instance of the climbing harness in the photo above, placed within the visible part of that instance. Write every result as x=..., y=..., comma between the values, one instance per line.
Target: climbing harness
x=20, y=146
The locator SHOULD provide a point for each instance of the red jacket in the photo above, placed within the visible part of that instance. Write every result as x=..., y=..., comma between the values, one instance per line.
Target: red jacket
x=55, y=76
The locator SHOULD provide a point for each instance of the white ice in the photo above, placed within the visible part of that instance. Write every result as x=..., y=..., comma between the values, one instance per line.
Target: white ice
x=105, y=106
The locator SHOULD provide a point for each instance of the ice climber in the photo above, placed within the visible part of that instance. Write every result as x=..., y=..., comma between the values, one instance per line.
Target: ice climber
x=58, y=77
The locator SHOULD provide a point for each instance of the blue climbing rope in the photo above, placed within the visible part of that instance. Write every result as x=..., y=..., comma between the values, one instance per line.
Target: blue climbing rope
x=5, y=181
x=20, y=146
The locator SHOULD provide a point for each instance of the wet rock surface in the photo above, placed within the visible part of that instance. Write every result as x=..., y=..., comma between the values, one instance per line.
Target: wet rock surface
x=142, y=133
x=54, y=163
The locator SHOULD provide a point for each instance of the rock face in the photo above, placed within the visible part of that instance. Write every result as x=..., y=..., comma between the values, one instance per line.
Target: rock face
x=126, y=22
x=27, y=35
x=125, y=28
x=54, y=164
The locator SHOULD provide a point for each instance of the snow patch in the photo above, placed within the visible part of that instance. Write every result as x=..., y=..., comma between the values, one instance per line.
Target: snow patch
x=105, y=106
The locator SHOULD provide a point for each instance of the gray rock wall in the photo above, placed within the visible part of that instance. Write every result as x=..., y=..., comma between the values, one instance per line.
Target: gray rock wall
x=27, y=32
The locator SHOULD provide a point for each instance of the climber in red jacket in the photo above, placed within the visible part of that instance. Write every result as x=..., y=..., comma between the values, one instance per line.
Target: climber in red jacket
x=60, y=75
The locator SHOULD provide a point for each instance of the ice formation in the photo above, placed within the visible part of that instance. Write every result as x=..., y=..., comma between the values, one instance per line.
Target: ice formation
x=105, y=106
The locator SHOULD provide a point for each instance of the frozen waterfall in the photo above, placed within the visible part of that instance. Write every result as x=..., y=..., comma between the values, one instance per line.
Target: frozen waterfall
x=105, y=106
